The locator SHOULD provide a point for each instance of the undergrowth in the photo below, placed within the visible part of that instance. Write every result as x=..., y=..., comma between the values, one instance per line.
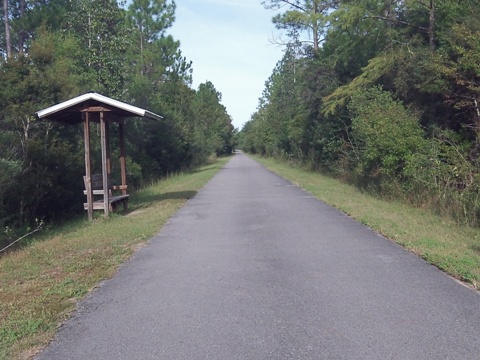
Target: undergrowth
x=42, y=281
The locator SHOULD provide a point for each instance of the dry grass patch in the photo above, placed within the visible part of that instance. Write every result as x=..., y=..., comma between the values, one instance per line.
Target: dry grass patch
x=42, y=282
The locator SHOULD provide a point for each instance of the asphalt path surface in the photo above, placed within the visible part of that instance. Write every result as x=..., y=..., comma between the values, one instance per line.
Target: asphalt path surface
x=255, y=268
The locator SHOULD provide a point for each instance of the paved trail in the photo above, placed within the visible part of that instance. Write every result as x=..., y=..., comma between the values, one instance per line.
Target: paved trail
x=255, y=268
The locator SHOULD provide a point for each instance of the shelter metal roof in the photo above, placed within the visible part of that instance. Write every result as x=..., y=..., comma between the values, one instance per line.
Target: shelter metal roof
x=70, y=111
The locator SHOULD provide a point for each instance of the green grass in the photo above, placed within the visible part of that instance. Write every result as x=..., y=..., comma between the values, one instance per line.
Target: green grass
x=42, y=282
x=442, y=242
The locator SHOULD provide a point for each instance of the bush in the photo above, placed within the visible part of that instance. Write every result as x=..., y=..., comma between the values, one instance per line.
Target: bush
x=385, y=134
x=442, y=177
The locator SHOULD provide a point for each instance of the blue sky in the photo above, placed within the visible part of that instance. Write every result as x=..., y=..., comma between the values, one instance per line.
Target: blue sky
x=228, y=42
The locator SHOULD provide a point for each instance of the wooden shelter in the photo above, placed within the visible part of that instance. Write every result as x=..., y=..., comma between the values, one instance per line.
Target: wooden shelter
x=93, y=107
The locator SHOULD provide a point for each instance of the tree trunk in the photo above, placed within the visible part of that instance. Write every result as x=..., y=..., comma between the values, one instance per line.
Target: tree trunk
x=142, y=65
x=8, y=43
x=22, y=33
x=431, y=25
x=315, y=26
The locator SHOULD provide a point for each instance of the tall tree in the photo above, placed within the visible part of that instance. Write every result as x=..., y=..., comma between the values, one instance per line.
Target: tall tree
x=22, y=18
x=212, y=119
x=104, y=38
x=8, y=44
x=35, y=153
x=303, y=15
x=149, y=19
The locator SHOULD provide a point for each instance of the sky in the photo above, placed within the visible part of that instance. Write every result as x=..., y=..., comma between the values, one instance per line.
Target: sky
x=229, y=44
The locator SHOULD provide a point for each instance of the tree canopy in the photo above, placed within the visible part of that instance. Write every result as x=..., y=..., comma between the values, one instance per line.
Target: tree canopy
x=388, y=99
x=53, y=50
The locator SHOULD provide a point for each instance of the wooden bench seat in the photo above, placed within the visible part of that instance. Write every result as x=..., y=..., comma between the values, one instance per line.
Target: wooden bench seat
x=97, y=190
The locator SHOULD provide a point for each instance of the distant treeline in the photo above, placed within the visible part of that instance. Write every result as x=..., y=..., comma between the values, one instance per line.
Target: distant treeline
x=54, y=50
x=384, y=94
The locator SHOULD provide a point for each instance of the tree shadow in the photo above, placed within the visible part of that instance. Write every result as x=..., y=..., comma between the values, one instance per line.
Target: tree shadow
x=203, y=169
x=146, y=200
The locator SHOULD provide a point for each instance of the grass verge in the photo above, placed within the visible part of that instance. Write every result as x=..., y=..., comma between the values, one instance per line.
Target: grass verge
x=453, y=248
x=41, y=283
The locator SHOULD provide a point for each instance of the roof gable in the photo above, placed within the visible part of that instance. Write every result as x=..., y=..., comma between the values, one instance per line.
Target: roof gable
x=70, y=111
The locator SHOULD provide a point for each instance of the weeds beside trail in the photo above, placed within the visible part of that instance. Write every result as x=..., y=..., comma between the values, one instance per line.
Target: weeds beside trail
x=443, y=243
x=41, y=283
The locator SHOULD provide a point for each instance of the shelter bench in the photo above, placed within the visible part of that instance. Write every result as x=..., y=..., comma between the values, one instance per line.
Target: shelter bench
x=97, y=190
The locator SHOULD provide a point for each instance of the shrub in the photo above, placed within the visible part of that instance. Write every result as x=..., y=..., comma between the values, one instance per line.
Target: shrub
x=385, y=134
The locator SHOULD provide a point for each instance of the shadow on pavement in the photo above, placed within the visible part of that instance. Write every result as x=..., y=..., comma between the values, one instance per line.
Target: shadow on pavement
x=146, y=200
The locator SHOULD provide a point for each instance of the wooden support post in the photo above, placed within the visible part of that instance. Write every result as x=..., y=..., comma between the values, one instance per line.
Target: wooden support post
x=103, y=140
x=88, y=164
x=123, y=163
x=107, y=144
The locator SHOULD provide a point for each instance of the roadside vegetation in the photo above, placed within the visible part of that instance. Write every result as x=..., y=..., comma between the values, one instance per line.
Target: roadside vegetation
x=384, y=97
x=42, y=281
x=441, y=241
x=381, y=94
x=49, y=54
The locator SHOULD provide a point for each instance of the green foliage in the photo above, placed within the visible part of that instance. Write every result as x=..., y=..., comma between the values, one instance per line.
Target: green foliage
x=307, y=15
x=441, y=176
x=148, y=21
x=102, y=35
x=151, y=18
x=40, y=158
x=389, y=100
x=61, y=49
x=376, y=68
x=454, y=73
x=385, y=134
x=452, y=247
x=212, y=120
x=64, y=263
x=9, y=169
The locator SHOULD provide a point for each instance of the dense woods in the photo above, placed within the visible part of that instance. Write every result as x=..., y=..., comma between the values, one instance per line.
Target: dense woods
x=53, y=50
x=383, y=94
